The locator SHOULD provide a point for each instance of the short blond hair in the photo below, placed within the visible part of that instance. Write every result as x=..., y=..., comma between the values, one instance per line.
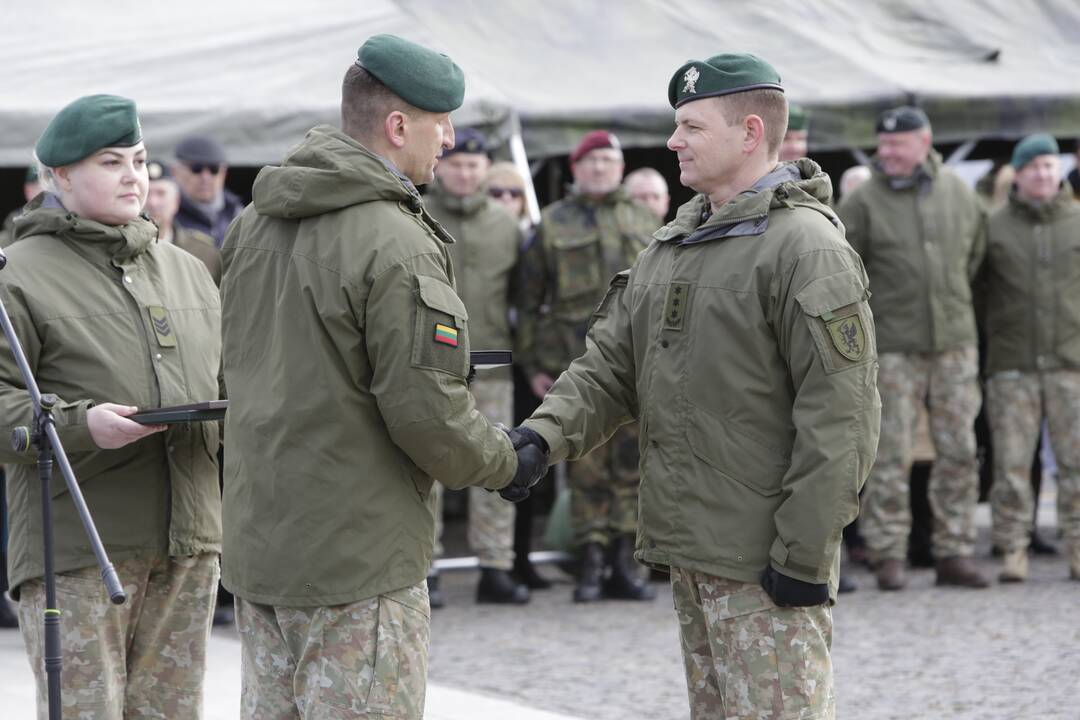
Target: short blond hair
x=768, y=104
x=505, y=174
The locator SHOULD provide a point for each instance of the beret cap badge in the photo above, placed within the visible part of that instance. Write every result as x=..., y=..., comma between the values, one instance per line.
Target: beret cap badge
x=691, y=78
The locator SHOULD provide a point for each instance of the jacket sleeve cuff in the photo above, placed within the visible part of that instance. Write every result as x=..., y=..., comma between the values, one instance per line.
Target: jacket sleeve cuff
x=785, y=564
x=71, y=426
x=557, y=447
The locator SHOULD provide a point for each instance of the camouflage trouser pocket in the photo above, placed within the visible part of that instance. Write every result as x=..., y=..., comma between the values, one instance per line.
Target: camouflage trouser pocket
x=747, y=658
x=363, y=659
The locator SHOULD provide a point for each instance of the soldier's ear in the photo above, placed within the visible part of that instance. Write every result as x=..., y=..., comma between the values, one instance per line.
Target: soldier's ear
x=754, y=128
x=394, y=128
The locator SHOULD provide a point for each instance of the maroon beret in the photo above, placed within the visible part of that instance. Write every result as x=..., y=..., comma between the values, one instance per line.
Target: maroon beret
x=594, y=140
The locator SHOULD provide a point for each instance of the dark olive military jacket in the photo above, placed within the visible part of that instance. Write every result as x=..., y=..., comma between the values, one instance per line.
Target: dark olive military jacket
x=579, y=245
x=108, y=314
x=346, y=352
x=484, y=253
x=201, y=246
x=1030, y=285
x=744, y=346
x=922, y=240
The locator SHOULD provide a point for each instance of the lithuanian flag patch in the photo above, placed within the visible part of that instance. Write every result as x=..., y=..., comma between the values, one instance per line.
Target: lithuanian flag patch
x=445, y=334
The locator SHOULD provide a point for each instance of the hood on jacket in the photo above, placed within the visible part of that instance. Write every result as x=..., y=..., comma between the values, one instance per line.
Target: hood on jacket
x=328, y=171
x=799, y=183
x=46, y=215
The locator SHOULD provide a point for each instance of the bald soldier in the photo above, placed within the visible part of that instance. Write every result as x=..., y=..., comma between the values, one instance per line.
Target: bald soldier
x=921, y=234
x=1029, y=286
x=742, y=342
x=648, y=187
x=346, y=352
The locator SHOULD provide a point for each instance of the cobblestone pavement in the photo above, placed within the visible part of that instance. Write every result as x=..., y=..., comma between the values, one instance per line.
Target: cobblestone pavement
x=1008, y=652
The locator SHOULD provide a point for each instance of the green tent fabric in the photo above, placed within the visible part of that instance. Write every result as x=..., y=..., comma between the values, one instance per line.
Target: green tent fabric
x=257, y=74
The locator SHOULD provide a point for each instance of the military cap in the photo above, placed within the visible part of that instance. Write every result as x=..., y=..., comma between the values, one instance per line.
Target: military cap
x=31, y=174
x=158, y=170
x=798, y=118
x=902, y=119
x=467, y=140
x=422, y=77
x=595, y=140
x=722, y=74
x=201, y=150
x=87, y=125
x=1033, y=146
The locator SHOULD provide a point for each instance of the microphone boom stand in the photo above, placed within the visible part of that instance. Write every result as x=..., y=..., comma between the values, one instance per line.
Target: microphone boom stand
x=42, y=435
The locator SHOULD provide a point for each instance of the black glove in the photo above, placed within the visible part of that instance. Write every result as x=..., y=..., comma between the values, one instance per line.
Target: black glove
x=532, y=454
x=789, y=592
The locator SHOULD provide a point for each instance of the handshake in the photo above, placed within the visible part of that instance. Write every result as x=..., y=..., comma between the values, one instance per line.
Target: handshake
x=532, y=454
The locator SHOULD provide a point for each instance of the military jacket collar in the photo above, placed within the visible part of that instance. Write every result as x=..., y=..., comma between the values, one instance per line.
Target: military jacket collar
x=46, y=214
x=1045, y=211
x=921, y=179
x=467, y=206
x=787, y=185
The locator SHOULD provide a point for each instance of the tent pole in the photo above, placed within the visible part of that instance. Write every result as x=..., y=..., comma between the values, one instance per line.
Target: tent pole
x=521, y=161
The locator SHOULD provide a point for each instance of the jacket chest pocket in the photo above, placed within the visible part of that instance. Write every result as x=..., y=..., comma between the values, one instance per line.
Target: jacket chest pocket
x=440, y=334
x=579, y=265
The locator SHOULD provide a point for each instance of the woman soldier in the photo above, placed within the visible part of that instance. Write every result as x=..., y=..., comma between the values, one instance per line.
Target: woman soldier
x=112, y=320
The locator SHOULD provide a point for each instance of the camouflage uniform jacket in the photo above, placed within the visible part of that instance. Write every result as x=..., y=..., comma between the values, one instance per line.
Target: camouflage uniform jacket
x=922, y=240
x=484, y=255
x=105, y=314
x=744, y=346
x=345, y=353
x=201, y=246
x=579, y=245
x=1030, y=285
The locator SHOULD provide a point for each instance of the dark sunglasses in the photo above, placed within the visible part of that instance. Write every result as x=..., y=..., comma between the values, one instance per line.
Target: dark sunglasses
x=197, y=168
x=497, y=192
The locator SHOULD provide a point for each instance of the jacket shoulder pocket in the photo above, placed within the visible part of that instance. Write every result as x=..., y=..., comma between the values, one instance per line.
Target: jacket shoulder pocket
x=618, y=284
x=840, y=320
x=440, y=335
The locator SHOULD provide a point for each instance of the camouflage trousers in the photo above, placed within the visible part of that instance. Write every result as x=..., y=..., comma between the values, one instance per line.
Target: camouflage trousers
x=143, y=659
x=949, y=380
x=491, y=519
x=747, y=658
x=363, y=659
x=1017, y=403
x=604, y=489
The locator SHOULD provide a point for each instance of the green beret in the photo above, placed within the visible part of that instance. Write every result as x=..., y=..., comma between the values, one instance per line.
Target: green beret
x=721, y=75
x=31, y=175
x=902, y=119
x=1033, y=146
x=86, y=126
x=429, y=80
x=798, y=118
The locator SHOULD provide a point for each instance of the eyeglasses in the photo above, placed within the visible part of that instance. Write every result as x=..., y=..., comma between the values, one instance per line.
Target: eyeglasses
x=498, y=192
x=197, y=168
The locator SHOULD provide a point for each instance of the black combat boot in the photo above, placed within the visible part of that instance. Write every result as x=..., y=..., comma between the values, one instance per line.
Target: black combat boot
x=435, y=596
x=526, y=574
x=625, y=582
x=498, y=587
x=591, y=574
